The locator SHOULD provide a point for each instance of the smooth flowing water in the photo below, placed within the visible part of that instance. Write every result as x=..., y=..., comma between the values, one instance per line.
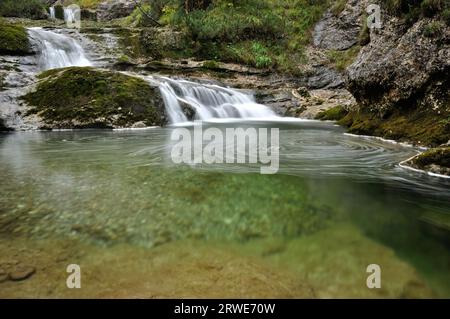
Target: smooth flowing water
x=57, y=50
x=208, y=101
x=114, y=203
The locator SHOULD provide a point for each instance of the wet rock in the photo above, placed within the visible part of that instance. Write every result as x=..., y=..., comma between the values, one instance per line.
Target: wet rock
x=88, y=14
x=324, y=77
x=21, y=273
x=188, y=110
x=113, y=9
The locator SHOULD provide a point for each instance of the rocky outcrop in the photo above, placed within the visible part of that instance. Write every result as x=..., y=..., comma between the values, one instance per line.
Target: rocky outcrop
x=13, y=40
x=436, y=161
x=400, y=81
x=91, y=98
x=340, y=30
x=113, y=9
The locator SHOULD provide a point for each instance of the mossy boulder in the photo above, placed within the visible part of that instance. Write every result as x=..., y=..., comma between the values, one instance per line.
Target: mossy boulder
x=436, y=160
x=421, y=126
x=92, y=98
x=13, y=40
x=334, y=114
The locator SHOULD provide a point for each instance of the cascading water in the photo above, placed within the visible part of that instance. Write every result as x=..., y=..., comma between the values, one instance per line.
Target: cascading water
x=209, y=101
x=52, y=13
x=57, y=50
x=70, y=14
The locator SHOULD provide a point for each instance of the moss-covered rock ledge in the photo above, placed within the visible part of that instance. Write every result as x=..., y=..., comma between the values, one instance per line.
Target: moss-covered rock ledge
x=435, y=161
x=78, y=97
x=13, y=39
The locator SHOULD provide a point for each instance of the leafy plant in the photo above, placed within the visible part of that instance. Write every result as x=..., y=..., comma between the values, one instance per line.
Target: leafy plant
x=33, y=9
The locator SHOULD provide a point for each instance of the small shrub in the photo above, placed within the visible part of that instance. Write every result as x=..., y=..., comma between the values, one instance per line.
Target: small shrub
x=433, y=29
x=212, y=65
x=32, y=9
x=446, y=16
x=262, y=60
x=431, y=7
x=338, y=7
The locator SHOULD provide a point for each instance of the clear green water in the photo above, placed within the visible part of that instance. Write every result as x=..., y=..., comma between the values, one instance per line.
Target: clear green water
x=111, y=187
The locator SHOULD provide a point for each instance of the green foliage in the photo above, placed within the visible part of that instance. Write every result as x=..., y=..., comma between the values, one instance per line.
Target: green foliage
x=261, y=33
x=13, y=39
x=446, y=16
x=262, y=60
x=431, y=7
x=338, y=6
x=227, y=21
x=434, y=29
x=137, y=18
x=33, y=9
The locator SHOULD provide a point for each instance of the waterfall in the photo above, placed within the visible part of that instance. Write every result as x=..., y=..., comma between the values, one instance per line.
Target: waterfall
x=69, y=15
x=57, y=50
x=208, y=101
x=52, y=13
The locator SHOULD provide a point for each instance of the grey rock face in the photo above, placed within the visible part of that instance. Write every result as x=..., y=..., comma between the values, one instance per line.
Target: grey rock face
x=112, y=9
x=324, y=77
x=402, y=67
x=340, y=32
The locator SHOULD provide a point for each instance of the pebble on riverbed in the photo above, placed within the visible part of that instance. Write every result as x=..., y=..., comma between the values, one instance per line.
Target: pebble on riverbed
x=15, y=271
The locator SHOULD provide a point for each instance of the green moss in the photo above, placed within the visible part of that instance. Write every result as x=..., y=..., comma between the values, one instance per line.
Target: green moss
x=2, y=81
x=13, y=39
x=342, y=59
x=434, y=29
x=437, y=156
x=364, y=34
x=338, y=6
x=212, y=65
x=334, y=114
x=86, y=97
x=418, y=126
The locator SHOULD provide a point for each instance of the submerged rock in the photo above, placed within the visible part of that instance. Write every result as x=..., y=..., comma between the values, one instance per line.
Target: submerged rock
x=21, y=273
x=92, y=98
